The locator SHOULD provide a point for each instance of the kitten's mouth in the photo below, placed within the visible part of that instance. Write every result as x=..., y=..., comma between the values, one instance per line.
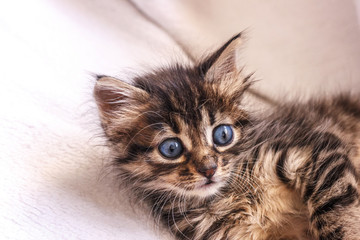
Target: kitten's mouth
x=206, y=188
x=209, y=183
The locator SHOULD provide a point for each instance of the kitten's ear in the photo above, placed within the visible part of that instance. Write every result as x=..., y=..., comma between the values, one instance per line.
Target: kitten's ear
x=222, y=62
x=222, y=71
x=118, y=100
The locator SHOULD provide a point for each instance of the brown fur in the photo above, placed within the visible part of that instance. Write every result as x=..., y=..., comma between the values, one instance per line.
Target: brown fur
x=287, y=174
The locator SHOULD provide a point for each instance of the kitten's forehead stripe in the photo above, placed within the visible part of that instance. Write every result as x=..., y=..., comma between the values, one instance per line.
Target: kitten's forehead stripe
x=211, y=117
x=174, y=124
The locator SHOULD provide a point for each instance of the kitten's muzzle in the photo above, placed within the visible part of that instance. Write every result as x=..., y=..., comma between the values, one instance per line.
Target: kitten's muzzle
x=207, y=167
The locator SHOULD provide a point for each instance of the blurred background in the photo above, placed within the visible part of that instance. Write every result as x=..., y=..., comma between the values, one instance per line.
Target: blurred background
x=52, y=178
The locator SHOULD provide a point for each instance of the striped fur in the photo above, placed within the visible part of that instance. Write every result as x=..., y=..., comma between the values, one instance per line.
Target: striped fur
x=288, y=174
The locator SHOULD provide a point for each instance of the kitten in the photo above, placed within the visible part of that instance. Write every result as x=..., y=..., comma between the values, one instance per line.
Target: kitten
x=210, y=170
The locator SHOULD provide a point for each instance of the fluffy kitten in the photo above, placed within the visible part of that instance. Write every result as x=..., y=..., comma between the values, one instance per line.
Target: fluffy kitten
x=210, y=170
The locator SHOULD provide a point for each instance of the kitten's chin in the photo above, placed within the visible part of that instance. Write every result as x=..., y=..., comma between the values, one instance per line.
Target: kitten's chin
x=205, y=190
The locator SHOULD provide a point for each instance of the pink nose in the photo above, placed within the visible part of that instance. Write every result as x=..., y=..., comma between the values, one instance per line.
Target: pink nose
x=208, y=172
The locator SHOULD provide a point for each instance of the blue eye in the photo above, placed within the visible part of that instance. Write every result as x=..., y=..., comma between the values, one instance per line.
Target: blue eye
x=171, y=148
x=223, y=135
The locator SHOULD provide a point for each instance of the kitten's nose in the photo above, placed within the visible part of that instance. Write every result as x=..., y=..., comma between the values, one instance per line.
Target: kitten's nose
x=208, y=170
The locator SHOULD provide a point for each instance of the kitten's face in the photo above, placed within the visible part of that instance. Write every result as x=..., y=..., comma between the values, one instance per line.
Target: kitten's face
x=176, y=130
x=187, y=149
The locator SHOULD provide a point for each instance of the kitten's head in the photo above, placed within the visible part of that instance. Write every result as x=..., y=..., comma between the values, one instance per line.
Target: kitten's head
x=177, y=129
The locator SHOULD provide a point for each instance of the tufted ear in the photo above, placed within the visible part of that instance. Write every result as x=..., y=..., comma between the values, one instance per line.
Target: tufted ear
x=118, y=101
x=221, y=71
x=223, y=61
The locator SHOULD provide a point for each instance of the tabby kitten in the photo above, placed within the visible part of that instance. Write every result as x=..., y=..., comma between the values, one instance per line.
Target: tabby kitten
x=210, y=170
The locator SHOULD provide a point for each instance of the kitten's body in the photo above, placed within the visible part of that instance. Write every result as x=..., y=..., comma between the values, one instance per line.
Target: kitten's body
x=285, y=175
x=262, y=203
